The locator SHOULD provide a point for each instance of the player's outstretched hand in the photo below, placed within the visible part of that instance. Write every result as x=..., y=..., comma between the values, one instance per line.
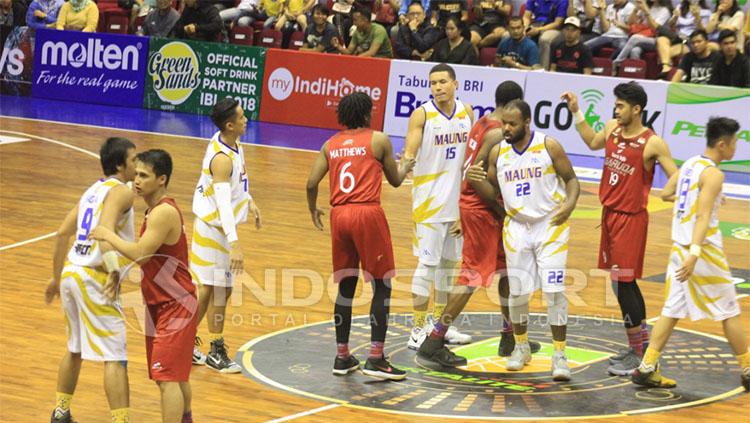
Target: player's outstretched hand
x=476, y=172
x=112, y=286
x=562, y=215
x=236, y=258
x=100, y=233
x=684, y=272
x=53, y=290
x=317, y=218
x=407, y=164
x=571, y=99
x=256, y=212
x=455, y=229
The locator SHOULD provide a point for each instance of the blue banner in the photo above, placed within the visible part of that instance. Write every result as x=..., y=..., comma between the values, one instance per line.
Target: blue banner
x=90, y=67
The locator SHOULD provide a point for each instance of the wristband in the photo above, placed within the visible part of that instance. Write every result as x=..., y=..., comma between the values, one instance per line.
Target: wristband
x=111, y=261
x=695, y=250
x=579, y=116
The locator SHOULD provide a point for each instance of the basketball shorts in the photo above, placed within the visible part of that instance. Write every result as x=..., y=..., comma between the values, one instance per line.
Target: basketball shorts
x=622, y=246
x=96, y=328
x=170, y=339
x=209, y=256
x=360, y=235
x=537, y=255
x=432, y=242
x=482, y=254
x=708, y=294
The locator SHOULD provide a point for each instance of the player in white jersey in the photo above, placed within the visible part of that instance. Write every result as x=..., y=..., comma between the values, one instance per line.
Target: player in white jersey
x=87, y=280
x=437, y=137
x=220, y=203
x=540, y=191
x=698, y=281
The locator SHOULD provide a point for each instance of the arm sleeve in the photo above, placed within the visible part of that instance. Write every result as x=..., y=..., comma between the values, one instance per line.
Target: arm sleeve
x=52, y=15
x=223, y=196
x=32, y=20
x=562, y=9
x=425, y=41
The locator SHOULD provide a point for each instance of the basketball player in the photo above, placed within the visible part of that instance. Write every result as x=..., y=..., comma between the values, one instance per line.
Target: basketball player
x=698, y=283
x=481, y=224
x=220, y=203
x=96, y=328
x=631, y=153
x=540, y=191
x=357, y=158
x=436, y=138
x=167, y=287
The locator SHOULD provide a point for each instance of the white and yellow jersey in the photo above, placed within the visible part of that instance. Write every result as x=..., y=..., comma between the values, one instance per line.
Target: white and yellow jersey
x=686, y=205
x=86, y=252
x=204, y=202
x=528, y=182
x=439, y=167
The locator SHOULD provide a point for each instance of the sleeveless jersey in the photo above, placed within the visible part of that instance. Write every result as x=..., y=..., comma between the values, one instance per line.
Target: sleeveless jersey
x=469, y=198
x=356, y=176
x=686, y=205
x=528, y=182
x=204, y=202
x=625, y=182
x=166, y=276
x=438, y=171
x=87, y=252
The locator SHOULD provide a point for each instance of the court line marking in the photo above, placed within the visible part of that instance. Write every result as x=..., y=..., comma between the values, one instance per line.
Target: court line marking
x=305, y=413
x=28, y=241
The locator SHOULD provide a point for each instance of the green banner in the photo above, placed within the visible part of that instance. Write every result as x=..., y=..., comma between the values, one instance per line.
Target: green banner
x=191, y=76
x=735, y=230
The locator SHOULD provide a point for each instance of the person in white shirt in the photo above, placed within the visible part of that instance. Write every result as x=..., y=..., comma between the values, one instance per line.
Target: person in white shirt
x=612, y=23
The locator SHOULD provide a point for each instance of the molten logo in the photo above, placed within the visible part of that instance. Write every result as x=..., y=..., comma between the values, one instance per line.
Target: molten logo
x=93, y=54
x=175, y=72
x=281, y=84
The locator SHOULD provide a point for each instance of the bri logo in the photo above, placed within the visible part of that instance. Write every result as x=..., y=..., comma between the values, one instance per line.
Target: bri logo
x=92, y=54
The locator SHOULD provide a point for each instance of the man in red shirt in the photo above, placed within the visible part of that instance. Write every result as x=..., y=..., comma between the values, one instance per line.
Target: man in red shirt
x=631, y=153
x=357, y=158
x=167, y=287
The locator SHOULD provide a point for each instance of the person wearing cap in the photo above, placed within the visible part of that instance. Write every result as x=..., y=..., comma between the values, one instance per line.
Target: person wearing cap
x=571, y=55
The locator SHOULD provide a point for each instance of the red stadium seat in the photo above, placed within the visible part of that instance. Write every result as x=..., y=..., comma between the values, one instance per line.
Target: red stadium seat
x=487, y=56
x=269, y=38
x=242, y=35
x=632, y=68
x=602, y=66
x=296, y=40
x=652, y=64
x=116, y=23
x=606, y=52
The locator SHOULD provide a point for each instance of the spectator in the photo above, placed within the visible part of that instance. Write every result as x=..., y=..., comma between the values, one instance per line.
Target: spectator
x=270, y=12
x=613, y=21
x=517, y=51
x=12, y=15
x=137, y=8
x=199, y=21
x=732, y=69
x=342, y=19
x=78, y=15
x=644, y=21
x=403, y=11
x=441, y=10
x=244, y=14
x=293, y=18
x=160, y=22
x=386, y=14
x=727, y=15
x=696, y=66
x=586, y=11
x=571, y=56
x=369, y=40
x=320, y=34
x=43, y=13
x=686, y=19
x=491, y=19
x=454, y=48
x=417, y=36
x=543, y=20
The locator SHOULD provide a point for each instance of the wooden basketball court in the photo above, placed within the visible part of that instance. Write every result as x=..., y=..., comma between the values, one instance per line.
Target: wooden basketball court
x=42, y=178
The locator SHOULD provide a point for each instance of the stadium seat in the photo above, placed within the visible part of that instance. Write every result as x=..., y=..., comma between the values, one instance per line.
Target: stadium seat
x=269, y=38
x=296, y=40
x=652, y=64
x=242, y=35
x=632, y=68
x=606, y=52
x=115, y=23
x=487, y=56
x=602, y=66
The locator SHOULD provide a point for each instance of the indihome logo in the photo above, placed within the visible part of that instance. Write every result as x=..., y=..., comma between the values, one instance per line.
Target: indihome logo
x=92, y=54
x=281, y=84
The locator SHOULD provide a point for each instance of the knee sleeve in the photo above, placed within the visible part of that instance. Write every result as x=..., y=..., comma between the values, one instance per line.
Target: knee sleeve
x=519, y=308
x=630, y=300
x=422, y=279
x=557, y=308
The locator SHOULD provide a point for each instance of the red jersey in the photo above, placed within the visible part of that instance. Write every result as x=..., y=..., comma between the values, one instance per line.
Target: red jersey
x=469, y=198
x=625, y=182
x=166, y=276
x=356, y=176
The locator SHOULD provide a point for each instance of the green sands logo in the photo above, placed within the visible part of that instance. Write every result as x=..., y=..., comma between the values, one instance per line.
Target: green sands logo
x=592, y=97
x=175, y=72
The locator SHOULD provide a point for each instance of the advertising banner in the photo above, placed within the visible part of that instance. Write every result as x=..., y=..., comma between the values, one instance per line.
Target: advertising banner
x=305, y=88
x=689, y=107
x=409, y=87
x=16, y=62
x=189, y=76
x=90, y=67
x=596, y=99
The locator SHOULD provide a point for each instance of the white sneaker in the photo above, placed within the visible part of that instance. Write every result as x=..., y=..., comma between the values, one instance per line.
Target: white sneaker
x=519, y=357
x=453, y=336
x=418, y=336
x=560, y=369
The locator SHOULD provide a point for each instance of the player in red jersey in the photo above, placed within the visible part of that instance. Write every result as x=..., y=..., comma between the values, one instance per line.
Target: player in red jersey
x=357, y=159
x=167, y=287
x=482, y=226
x=631, y=153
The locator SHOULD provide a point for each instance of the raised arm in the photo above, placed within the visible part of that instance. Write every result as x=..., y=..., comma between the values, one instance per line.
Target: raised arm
x=383, y=150
x=564, y=171
x=594, y=140
x=317, y=173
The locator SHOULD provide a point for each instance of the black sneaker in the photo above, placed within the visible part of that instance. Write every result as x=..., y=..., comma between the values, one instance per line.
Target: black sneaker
x=508, y=343
x=381, y=368
x=344, y=366
x=58, y=416
x=434, y=349
x=217, y=359
x=746, y=379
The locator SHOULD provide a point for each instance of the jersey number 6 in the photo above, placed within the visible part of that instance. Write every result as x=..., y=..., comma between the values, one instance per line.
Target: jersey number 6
x=346, y=179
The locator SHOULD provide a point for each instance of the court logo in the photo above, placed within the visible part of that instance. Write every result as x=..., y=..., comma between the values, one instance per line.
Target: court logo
x=175, y=70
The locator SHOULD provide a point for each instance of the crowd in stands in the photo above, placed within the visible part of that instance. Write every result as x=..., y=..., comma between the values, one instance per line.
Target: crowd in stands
x=683, y=40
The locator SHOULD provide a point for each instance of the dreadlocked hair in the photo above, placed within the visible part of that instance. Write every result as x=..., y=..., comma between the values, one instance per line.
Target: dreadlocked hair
x=354, y=110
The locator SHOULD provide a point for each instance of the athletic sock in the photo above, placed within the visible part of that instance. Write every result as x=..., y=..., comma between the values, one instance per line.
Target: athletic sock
x=438, y=332
x=63, y=401
x=521, y=338
x=744, y=360
x=437, y=312
x=420, y=317
x=650, y=358
x=120, y=415
x=507, y=326
x=376, y=349
x=187, y=417
x=635, y=340
x=559, y=345
x=342, y=350
x=217, y=337
x=645, y=338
